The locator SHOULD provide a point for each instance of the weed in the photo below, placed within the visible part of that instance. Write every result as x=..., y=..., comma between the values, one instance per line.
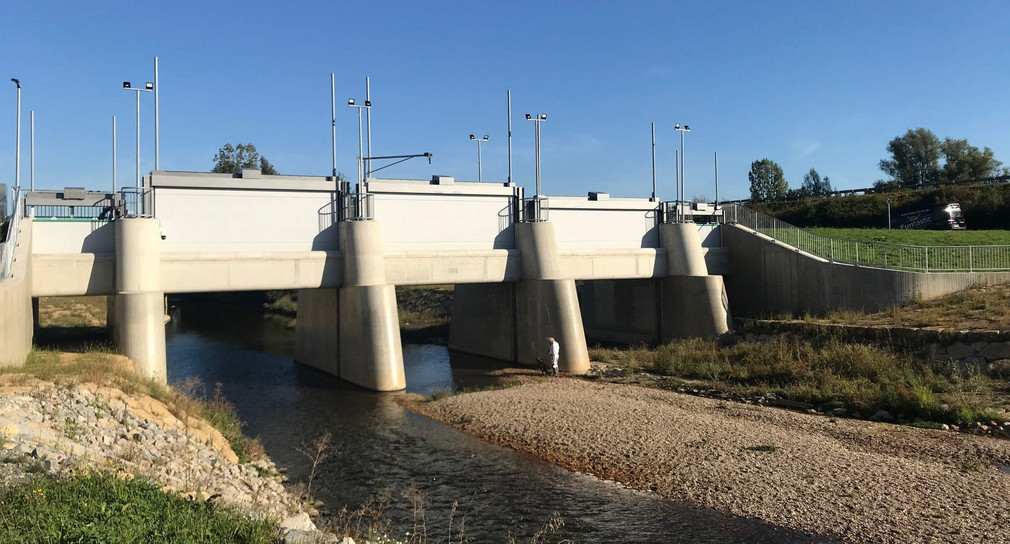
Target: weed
x=763, y=447
x=971, y=466
x=318, y=451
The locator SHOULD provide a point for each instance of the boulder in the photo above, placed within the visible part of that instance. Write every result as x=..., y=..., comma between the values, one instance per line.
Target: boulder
x=298, y=522
x=959, y=350
x=882, y=415
x=996, y=350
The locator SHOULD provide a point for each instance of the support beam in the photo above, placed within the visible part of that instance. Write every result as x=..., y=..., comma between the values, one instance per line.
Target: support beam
x=693, y=304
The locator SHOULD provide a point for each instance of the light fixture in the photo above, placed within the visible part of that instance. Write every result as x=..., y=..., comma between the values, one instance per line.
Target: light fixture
x=149, y=85
x=528, y=117
x=350, y=102
x=126, y=84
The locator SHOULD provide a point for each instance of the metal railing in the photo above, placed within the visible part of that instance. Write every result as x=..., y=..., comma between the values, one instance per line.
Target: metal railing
x=10, y=240
x=357, y=207
x=105, y=210
x=534, y=209
x=977, y=258
x=137, y=202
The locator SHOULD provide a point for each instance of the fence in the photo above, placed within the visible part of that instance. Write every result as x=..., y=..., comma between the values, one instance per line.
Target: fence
x=10, y=240
x=535, y=209
x=137, y=202
x=876, y=254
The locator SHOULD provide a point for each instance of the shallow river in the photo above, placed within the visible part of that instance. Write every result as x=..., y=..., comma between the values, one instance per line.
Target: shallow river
x=381, y=446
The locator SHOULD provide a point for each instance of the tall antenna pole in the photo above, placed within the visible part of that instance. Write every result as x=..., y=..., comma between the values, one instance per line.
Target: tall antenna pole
x=368, y=117
x=717, y=180
x=157, y=89
x=653, y=199
x=113, y=154
x=17, y=143
x=31, y=150
x=333, y=125
x=510, y=133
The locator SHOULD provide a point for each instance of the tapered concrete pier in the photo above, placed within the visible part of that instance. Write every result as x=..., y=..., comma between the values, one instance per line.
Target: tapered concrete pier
x=139, y=317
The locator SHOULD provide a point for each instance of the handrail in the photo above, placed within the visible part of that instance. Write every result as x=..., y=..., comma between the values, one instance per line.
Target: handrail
x=973, y=258
x=7, y=246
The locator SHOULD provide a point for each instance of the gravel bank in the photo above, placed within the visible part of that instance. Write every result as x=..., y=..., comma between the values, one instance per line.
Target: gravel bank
x=868, y=482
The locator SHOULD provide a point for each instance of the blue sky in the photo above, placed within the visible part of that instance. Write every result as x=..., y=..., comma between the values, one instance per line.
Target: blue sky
x=806, y=84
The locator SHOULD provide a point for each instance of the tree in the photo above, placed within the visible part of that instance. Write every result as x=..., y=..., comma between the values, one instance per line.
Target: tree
x=767, y=182
x=229, y=160
x=915, y=158
x=814, y=185
x=964, y=161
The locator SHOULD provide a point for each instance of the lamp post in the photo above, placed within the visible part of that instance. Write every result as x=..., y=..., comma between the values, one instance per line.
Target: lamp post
x=681, y=129
x=148, y=87
x=888, y=214
x=478, y=140
x=17, y=143
x=537, y=119
x=361, y=152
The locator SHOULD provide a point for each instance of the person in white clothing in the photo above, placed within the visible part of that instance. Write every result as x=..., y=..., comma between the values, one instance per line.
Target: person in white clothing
x=554, y=351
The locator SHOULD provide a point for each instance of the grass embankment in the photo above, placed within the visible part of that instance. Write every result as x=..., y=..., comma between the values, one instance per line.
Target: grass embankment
x=79, y=322
x=99, y=508
x=920, y=237
x=827, y=374
x=977, y=308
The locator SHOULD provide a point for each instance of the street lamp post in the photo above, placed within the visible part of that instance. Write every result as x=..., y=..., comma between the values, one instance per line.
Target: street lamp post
x=888, y=214
x=480, y=177
x=17, y=142
x=537, y=119
x=148, y=87
x=361, y=151
x=681, y=129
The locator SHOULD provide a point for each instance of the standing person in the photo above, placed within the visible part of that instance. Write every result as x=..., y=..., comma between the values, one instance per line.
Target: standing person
x=554, y=350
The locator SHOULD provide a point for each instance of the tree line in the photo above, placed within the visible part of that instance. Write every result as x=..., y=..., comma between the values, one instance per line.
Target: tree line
x=914, y=162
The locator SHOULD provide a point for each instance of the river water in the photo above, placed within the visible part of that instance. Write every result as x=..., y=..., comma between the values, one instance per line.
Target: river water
x=383, y=448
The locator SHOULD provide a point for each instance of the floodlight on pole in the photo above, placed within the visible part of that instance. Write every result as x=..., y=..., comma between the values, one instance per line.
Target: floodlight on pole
x=537, y=119
x=361, y=151
x=681, y=129
x=148, y=87
x=480, y=176
x=17, y=143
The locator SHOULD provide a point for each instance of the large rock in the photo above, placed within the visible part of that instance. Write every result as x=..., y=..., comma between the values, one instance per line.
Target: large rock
x=959, y=350
x=996, y=350
x=298, y=522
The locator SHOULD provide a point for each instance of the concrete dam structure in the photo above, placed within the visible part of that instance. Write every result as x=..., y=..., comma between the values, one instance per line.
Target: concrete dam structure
x=515, y=262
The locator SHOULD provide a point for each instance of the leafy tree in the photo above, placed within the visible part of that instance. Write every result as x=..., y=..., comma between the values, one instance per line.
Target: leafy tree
x=229, y=160
x=814, y=185
x=767, y=182
x=965, y=161
x=915, y=158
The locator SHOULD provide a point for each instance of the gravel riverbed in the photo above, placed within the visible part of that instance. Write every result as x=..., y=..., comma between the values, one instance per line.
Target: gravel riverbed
x=864, y=481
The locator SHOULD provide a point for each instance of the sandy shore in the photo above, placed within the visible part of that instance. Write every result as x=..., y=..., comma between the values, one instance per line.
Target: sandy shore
x=868, y=482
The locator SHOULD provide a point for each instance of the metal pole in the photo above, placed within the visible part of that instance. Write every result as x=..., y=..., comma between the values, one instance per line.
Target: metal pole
x=683, y=160
x=333, y=126
x=31, y=150
x=361, y=157
x=479, y=175
x=537, y=138
x=113, y=154
x=138, y=150
x=676, y=180
x=717, y=180
x=157, y=88
x=17, y=145
x=368, y=117
x=653, y=199
x=510, y=133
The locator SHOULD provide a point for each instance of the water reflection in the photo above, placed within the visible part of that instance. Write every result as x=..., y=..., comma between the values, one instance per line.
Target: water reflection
x=382, y=446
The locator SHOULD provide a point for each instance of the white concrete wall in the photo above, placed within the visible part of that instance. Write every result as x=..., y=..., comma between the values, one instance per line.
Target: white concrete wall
x=461, y=216
x=73, y=237
x=625, y=223
x=223, y=220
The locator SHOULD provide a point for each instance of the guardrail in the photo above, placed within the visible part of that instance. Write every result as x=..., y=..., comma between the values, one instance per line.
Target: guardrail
x=357, y=207
x=10, y=241
x=976, y=258
x=137, y=202
x=534, y=209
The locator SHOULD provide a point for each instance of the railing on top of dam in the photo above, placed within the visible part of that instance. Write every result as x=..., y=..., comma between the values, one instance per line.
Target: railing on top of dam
x=976, y=258
x=10, y=239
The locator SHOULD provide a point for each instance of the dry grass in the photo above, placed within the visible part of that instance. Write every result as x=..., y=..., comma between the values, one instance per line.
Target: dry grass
x=72, y=311
x=977, y=308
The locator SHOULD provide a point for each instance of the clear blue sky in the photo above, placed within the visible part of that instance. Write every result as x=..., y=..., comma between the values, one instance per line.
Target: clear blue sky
x=806, y=84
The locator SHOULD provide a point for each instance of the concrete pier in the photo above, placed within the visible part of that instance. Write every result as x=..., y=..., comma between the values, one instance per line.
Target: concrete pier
x=512, y=322
x=693, y=303
x=354, y=332
x=139, y=317
x=16, y=314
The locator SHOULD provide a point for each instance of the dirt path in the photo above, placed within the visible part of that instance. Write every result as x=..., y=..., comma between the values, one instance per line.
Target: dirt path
x=868, y=482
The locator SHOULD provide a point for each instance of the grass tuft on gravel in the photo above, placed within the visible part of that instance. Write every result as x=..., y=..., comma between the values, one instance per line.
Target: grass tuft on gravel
x=826, y=373
x=99, y=508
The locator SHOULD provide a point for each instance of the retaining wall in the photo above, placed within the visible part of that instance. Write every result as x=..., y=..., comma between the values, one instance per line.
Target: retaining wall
x=16, y=302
